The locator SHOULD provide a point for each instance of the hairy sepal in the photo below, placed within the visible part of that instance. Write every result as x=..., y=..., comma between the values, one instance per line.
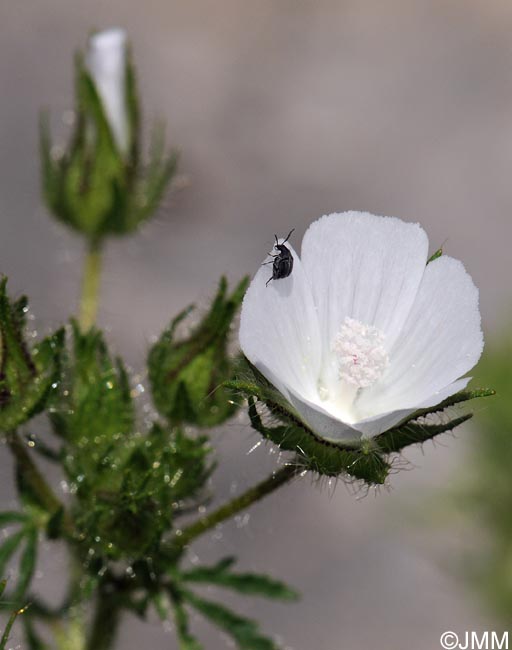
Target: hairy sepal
x=368, y=459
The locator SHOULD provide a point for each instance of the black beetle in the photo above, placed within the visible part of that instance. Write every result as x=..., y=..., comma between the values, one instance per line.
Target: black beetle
x=282, y=264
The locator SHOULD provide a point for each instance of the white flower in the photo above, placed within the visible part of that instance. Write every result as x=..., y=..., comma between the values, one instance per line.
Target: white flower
x=363, y=332
x=106, y=62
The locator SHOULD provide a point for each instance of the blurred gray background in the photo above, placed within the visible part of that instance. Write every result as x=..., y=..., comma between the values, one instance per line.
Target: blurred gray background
x=284, y=111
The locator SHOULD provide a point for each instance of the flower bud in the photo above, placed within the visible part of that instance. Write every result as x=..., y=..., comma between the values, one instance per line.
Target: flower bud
x=187, y=374
x=101, y=185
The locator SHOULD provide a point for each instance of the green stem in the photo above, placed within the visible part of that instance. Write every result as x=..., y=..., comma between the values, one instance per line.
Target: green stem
x=228, y=510
x=105, y=623
x=90, y=286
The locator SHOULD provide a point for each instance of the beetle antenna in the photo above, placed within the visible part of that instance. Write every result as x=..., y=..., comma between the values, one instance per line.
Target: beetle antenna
x=277, y=241
x=289, y=235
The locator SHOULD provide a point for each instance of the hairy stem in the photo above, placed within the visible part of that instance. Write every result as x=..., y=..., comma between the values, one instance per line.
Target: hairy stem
x=228, y=510
x=105, y=623
x=90, y=286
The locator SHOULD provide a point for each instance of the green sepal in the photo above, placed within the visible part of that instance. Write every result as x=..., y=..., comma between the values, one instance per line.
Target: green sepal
x=366, y=459
x=416, y=429
x=186, y=374
x=28, y=375
x=249, y=584
x=435, y=255
x=360, y=461
x=93, y=187
x=244, y=631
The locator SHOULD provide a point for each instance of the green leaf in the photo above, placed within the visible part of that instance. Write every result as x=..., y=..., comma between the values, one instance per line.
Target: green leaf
x=9, y=548
x=185, y=638
x=8, y=517
x=95, y=410
x=28, y=377
x=243, y=630
x=33, y=640
x=187, y=374
x=8, y=628
x=244, y=583
x=27, y=564
x=165, y=470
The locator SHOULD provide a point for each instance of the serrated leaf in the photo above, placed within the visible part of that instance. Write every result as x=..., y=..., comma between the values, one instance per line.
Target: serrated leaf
x=245, y=583
x=242, y=630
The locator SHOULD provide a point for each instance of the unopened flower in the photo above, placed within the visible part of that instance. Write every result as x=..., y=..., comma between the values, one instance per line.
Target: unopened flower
x=363, y=332
x=106, y=62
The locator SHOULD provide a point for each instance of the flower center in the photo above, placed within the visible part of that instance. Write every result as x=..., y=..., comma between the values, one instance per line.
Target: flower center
x=360, y=353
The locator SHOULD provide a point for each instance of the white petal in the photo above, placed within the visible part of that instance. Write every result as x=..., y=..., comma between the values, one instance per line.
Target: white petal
x=106, y=62
x=279, y=330
x=330, y=428
x=365, y=267
x=441, y=341
x=377, y=424
x=322, y=422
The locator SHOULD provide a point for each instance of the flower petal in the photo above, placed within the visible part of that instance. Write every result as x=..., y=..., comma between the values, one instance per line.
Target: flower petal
x=377, y=424
x=106, y=62
x=279, y=331
x=322, y=423
x=441, y=341
x=365, y=267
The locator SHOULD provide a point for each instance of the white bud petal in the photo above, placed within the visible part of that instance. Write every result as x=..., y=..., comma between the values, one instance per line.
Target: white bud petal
x=106, y=62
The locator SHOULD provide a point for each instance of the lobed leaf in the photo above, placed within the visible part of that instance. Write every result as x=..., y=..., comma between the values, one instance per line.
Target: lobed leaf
x=242, y=630
x=244, y=583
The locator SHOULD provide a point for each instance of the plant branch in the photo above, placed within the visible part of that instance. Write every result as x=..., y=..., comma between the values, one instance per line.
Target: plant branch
x=90, y=286
x=105, y=622
x=228, y=510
